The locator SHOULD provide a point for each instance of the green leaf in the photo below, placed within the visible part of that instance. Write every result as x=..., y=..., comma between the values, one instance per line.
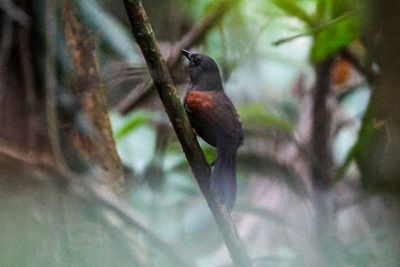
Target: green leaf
x=292, y=8
x=136, y=119
x=335, y=36
x=206, y=7
x=323, y=11
x=258, y=115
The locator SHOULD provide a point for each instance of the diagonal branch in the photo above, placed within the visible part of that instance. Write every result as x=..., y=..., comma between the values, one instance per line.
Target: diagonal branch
x=199, y=31
x=145, y=38
x=107, y=199
x=193, y=36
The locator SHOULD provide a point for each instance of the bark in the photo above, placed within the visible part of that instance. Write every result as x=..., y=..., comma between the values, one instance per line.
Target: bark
x=99, y=145
x=145, y=38
x=379, y=140
x=37, y=203
x=23, y=133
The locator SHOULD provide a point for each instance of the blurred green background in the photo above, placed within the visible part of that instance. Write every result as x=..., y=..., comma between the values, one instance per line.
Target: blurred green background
x=268, y=52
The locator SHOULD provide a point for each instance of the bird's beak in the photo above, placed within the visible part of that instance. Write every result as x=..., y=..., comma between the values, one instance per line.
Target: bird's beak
x=186, y=53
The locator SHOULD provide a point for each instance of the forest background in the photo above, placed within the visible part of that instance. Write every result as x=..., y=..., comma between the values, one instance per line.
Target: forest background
x=91, y=171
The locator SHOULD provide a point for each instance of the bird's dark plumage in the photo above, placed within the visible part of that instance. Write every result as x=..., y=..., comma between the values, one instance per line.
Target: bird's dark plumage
x=214, y=118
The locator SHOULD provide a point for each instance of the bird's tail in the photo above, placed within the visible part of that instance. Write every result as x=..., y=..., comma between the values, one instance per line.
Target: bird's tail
x=223, y=177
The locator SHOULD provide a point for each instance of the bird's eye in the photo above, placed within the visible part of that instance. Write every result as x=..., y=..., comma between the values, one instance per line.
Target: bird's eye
x=196, y=61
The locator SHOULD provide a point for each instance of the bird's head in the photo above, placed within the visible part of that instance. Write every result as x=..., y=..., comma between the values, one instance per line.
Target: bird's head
x=203, y=71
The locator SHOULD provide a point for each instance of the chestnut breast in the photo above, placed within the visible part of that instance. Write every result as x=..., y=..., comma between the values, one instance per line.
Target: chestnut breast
x=199, y=100
x=200, y=106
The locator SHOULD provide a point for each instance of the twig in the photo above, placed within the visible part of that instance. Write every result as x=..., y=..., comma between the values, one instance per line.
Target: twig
x=314, y=30
x=124, y=241
x=24, y=157
x=145, y=38
x=192, y=37
x=106, y=198
x=51, y=85
x=270, y=216
x=93, y=192
x=15, y=12
x=199, y=31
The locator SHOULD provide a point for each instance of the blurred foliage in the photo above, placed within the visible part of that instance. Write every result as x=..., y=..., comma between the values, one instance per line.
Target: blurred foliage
x=270, y=86
x=333, y=24
x=134, y=120
x=340, y=32
x=265, y=83
x=255, y=115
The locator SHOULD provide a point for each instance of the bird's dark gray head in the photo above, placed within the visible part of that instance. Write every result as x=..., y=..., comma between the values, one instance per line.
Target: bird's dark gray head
x=203, y=71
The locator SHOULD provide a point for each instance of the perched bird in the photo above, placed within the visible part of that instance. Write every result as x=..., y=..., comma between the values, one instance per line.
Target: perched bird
x=215, y=120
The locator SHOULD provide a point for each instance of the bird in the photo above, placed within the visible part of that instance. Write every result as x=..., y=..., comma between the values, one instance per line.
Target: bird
x=215, y=119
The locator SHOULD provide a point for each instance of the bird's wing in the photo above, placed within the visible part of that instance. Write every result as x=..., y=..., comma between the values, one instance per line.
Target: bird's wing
x=215, y=110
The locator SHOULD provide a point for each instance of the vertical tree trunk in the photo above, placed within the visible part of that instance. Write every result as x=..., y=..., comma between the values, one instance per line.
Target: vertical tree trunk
x=379, y=161
x=99, y=145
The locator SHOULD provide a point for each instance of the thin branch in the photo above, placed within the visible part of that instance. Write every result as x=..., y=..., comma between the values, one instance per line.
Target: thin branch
x=15, y=12
x=106, y=198
x=193, y=36
x=199, y=31
x=24, y=157
x=124, y=241
x=145, y=38
x=270, y=216
x=314, y=30
x=51, y=84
